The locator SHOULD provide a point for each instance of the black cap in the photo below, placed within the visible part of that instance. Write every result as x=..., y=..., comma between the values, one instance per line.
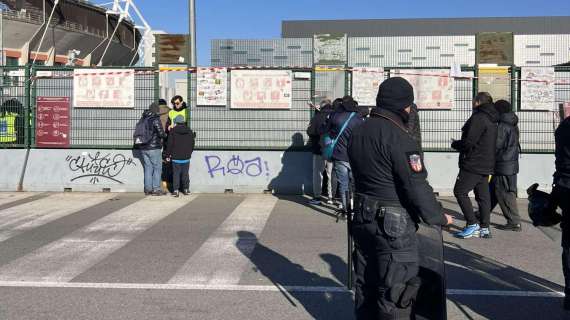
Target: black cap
x=395, y=94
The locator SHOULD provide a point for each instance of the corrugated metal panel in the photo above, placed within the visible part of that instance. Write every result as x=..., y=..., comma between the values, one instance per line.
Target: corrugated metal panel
x=542, y=50
x=426, y=27
x=411, y=51
x=273, y=52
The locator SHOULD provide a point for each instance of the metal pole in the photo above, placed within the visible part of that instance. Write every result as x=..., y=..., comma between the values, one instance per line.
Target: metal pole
x=192, y=29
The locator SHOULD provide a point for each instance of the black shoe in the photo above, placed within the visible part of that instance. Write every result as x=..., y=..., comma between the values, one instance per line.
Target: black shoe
x=185, y=192
x=175, y=194
x=158, y=193
x=147, y=193
x=510, y=227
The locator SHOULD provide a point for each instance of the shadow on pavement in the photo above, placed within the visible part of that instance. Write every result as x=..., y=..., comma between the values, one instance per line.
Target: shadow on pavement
x=285, y=274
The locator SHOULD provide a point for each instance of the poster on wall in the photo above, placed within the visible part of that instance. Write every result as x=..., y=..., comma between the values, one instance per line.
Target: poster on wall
x=496, y=81
x=537, y=88
x=212, y=86
x=52, y=122
x=495, y=48
x=104, y=88
x=433, y=89
x=261, y=89
x=330, y=49
x=365, y=83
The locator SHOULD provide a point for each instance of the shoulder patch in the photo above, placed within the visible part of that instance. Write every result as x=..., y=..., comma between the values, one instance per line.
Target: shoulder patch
x=415, y=161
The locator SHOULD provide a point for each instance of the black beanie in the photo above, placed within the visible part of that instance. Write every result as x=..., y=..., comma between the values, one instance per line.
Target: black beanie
x=395, y=94
x=154, y=108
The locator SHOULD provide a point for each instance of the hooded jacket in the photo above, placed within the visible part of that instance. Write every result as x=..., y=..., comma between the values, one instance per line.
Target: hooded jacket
x=157, y=131
x=317, y=127
x=508, y=147
x=562, y=154
x=180, y=144
x=477, y=146
x=334, y=125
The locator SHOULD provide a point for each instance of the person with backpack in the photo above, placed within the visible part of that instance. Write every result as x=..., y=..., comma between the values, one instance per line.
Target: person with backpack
x=179, y=150
x=314, y=131
x=339, y=128
x=148, y=138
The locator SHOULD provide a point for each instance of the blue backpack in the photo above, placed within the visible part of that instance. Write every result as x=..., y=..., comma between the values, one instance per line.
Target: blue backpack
x=328, y=143
x=143, y=132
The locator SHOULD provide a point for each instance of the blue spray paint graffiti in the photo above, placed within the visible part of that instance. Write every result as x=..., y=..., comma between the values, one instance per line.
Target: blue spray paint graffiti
x=254, y=167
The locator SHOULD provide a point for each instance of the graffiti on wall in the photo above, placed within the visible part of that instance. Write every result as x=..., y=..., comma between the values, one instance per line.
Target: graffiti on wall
x=237, y=166
x=98, y=166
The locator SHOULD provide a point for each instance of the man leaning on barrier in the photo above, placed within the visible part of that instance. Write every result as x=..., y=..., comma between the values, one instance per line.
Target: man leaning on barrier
x=392, y=196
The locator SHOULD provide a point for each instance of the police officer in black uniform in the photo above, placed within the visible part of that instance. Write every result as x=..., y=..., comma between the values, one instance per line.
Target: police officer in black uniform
x=392, y=197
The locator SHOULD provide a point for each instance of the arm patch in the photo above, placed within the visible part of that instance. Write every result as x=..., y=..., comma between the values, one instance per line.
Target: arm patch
x=415, y=161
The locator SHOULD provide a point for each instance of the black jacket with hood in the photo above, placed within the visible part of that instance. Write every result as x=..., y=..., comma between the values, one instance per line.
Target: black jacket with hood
x=317, y=127
x=562, y=153
x=334, y=125
x=508, y=147
x=158, y=133
x=180, y=144
x=477, y=146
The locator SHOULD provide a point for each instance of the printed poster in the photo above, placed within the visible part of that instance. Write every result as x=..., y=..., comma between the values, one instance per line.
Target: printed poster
x=261, y=89
x=52, y=122
x=496, y=81
x=495, y=48
x=433, y=89
x=330, y=49
x=365, y=83
x=537, y=88
x=104, y=88
x=212, y=86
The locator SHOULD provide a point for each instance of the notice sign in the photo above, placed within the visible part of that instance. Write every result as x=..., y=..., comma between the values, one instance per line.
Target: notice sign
x=212, y=86
x=330, y=49
x=496, y=81
x=433, y=89
x=537, y=88
x=52, y=122
x=103, y=88
x=261, y=89
x=365, y=83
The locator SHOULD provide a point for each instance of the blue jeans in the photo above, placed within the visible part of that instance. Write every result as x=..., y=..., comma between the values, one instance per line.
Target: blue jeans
x=343, y=176
x=152, y=163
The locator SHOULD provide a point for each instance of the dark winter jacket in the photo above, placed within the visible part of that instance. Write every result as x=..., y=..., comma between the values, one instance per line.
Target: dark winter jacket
x=508, y=147
x=477, y=146
x=334, y=125
x=562, y=153
x=317, y=127
x=180, y=143
x=158, y=133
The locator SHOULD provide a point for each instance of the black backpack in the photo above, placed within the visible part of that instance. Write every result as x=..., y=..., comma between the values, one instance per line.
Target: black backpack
x=143, y=132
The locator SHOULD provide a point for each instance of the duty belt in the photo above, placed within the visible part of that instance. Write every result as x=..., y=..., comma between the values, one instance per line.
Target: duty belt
x=368, y=209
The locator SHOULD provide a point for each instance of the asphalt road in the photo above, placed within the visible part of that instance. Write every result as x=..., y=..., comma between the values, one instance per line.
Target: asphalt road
x=126, y=256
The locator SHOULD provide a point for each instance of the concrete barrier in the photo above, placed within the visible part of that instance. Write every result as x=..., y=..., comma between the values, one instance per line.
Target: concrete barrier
x=11, y=169
x=284, y=172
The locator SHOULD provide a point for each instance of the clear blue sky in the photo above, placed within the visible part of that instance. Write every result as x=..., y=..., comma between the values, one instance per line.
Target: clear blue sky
x=261, y=19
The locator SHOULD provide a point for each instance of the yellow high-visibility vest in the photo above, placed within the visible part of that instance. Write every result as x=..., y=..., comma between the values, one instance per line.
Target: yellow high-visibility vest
x=8, y=127
x=173, y=114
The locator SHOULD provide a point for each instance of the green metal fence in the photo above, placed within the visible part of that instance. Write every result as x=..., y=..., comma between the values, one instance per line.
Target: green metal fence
x=221, y=127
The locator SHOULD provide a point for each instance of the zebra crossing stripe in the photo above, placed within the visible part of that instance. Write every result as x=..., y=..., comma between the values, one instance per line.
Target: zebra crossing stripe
x=233, y=242
x=64, y=259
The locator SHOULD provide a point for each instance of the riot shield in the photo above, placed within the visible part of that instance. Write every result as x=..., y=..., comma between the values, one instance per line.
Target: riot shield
x=431, y=300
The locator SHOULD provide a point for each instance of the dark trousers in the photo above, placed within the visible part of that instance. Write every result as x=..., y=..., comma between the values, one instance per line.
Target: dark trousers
x=467, y=181
x=503, y=191
x=383, y=266
x=560, y=195
x=180, y=176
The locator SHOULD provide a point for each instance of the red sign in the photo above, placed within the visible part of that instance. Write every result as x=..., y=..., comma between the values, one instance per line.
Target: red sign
x=52, y=122
x=566, y=110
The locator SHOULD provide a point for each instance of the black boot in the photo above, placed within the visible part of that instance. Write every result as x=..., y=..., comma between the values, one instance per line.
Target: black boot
x=185, y=192
x=175, y=194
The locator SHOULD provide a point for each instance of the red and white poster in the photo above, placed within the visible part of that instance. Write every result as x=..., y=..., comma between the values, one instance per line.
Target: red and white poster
x=104, y=88
x=433, y=89
x=261, y=89
x=566, y=110
x=52, y=122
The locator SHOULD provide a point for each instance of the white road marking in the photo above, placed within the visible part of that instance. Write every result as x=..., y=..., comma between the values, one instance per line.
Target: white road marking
x=266, y=288
x=69, y=256
x=24, y=217
x=7, y=197
x=249, y=218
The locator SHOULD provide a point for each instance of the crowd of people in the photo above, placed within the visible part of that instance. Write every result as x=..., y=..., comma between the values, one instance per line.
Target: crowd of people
x=377, y=153
x=166, y=144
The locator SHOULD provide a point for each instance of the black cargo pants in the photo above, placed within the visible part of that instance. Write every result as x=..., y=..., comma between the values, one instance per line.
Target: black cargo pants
x=560, y=196
x=386, y=262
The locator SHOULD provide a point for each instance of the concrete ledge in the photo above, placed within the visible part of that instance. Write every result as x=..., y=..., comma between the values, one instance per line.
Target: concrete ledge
x=11, y=169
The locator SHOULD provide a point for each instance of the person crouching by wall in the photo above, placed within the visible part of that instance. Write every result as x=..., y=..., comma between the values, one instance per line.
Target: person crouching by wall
x=179, y=149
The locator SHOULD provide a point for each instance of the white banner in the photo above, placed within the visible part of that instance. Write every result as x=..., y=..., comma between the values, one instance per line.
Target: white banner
x=433, y=89
x=261, y=89
x=537, y=94
x=212, y=86
x=365, y=83
x=103, y=88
